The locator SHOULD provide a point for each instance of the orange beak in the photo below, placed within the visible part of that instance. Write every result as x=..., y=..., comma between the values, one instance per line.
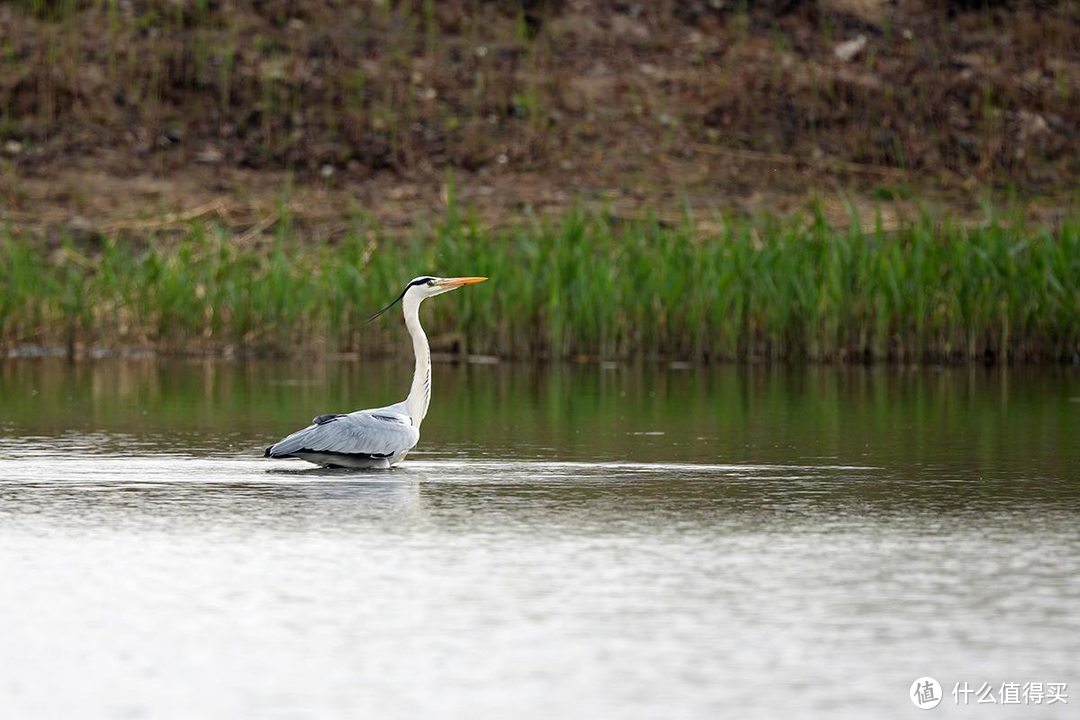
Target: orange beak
x=459, y=281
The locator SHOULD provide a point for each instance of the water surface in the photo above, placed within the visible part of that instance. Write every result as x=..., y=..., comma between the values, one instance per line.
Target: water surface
x=570, y=541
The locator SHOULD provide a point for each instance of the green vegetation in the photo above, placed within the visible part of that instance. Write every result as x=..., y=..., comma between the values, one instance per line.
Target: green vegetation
x=584, y=285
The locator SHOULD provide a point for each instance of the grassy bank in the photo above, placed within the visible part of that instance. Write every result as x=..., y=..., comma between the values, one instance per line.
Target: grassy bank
x=584, y=285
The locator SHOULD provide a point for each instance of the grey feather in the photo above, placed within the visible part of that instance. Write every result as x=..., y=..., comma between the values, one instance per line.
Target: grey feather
x=380, y=433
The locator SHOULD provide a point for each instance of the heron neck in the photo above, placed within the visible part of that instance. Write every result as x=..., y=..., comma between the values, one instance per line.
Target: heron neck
x=420, y=391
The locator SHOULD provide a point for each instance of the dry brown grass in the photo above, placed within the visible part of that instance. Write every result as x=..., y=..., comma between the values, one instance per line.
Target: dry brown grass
x=660, y=105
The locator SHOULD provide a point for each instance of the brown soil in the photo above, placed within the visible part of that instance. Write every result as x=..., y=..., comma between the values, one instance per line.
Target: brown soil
x=132, y=115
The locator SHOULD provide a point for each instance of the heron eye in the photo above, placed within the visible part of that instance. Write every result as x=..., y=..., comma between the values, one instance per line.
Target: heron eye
x=431, y=281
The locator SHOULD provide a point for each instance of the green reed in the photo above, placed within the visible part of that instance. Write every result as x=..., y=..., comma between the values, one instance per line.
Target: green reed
x=582, y=285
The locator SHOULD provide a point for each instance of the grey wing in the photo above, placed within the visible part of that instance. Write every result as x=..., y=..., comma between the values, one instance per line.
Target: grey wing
x=364, y=433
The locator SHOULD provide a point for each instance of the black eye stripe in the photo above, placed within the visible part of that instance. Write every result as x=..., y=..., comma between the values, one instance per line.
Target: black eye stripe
x=417, y=281
x=427, y=280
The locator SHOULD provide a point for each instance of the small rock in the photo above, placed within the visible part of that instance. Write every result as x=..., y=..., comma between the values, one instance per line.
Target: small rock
x=849, y=50
x=327, y=171
x=209, y=156
x=13, y=147
x=1032, y=124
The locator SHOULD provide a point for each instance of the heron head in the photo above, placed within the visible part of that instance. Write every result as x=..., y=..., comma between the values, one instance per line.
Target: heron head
x=427, y=286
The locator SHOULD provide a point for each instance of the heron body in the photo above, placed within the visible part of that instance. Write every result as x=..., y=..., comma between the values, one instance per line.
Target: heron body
x=380, y=437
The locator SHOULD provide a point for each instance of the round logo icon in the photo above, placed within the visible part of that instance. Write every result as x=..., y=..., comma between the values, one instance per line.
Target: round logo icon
x=925, y=693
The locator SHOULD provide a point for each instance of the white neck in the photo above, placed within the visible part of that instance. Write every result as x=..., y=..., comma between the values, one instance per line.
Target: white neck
x=420, y=391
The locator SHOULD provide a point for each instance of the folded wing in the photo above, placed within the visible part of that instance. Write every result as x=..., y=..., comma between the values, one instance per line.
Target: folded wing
x=364, y=433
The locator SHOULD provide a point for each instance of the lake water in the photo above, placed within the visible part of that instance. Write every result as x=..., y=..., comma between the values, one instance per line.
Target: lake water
x=567, y=541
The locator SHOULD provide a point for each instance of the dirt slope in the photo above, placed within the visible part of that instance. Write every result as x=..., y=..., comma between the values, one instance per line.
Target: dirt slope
x=115, y=113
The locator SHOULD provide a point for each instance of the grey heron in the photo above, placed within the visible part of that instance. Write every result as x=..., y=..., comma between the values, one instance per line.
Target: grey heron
x=380, y=437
